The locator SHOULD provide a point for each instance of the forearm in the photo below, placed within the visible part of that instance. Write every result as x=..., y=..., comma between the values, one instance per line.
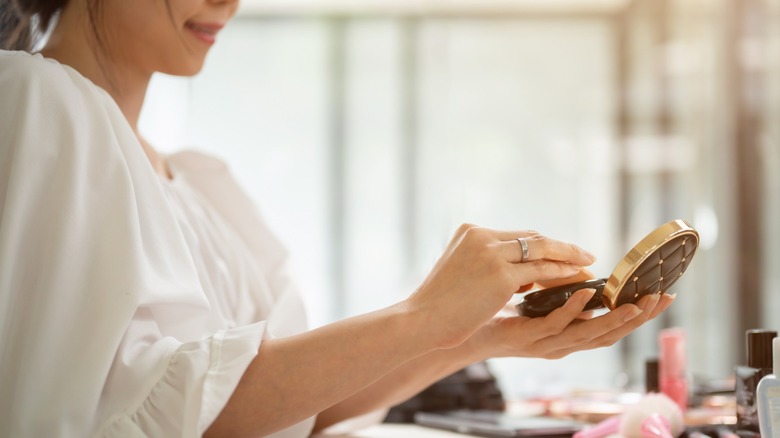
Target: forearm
x=402, y=383
x=298, y=377
x=294, y=378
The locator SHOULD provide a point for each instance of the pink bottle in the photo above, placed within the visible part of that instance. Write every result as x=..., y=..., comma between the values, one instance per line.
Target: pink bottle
x=671, y=364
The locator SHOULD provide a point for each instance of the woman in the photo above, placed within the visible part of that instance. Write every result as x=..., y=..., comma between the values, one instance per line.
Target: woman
x=142, y=295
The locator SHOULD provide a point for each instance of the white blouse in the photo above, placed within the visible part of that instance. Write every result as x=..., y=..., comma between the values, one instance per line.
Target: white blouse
x=130, y=305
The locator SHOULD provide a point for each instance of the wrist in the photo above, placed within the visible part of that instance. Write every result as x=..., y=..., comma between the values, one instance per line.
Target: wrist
x=484, y=343
x=416, y=324
x=438, y=327
x=477, y=348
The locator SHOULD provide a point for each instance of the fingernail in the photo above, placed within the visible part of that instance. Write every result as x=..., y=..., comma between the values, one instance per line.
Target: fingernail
x=652, y=300
x=632, y=313
x=590, y=292
x=588, y=255
x=587, y=295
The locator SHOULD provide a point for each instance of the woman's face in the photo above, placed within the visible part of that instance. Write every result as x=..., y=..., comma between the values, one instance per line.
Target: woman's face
x=145, y=34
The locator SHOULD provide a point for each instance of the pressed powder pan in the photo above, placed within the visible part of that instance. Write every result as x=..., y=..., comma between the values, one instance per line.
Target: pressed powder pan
x=651, y=267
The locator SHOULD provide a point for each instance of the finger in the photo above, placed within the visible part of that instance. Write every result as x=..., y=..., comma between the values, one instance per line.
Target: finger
x=612, y=330
x=664, y=302
x=509, y=310
x=647, y=305
x=593, y=332
x=583, y=275
x=650, y=306
x=541, y=247
x=525, y=288
x=512, y=235
x=532, y=272
x=560, y=318
x=588, y=314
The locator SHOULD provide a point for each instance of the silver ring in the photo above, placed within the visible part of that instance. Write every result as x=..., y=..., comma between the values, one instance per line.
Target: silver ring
x=524, y=246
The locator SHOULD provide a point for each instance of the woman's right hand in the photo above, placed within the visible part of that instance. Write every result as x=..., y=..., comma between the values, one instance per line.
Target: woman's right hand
x=478, y=274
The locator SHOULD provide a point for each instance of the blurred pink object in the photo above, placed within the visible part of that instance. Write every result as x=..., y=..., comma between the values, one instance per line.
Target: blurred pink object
x=655, y=416
x=656, y=425
x=640, y=420
x=606, y=427
x=672, y=379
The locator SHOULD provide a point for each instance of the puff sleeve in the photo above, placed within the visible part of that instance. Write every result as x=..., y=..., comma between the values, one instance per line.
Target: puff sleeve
x=104, y=327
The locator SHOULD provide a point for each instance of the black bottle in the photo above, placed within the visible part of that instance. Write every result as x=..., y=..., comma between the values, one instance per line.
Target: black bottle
x=651, y=376
x=759, y=352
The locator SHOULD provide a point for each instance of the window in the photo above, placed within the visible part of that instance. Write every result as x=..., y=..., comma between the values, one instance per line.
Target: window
x=366, y=135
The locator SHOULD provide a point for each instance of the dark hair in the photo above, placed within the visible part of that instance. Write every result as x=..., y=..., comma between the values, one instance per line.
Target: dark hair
x=23, y=22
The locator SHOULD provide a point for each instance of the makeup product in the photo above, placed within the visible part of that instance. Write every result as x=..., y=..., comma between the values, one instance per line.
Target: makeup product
x=724, y=432
x=768, y=397
x=605, y=428
x=591, y=406
x=655, y=415
x=498, y=424
x=650, y=267
x=651, y=376
x=759, y=364
x=712, y=430
x=700, y=416
x=671, y=366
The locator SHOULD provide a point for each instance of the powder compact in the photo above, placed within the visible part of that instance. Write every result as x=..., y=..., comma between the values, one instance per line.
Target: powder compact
x=650, y=267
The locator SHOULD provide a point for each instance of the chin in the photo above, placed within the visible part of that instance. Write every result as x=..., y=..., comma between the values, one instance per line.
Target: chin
x=188, y=67
x=192, y=71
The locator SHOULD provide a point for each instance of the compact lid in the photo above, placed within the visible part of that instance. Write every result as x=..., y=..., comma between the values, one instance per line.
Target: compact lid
x=759, y=348
x=653, y=265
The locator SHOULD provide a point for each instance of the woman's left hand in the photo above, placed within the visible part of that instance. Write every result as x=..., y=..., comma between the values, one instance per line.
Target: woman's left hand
x=564, y=331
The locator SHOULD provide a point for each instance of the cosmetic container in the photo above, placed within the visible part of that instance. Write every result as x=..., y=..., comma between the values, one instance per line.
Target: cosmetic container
x=759, y=365
x=768, y=397
x=651, y=376
x=671, y=366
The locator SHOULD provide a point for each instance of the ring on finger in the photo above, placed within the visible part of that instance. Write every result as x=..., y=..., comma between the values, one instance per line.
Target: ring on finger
x=524, y=247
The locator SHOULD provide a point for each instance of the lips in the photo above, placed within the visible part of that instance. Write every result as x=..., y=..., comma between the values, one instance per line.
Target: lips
x=204, y=31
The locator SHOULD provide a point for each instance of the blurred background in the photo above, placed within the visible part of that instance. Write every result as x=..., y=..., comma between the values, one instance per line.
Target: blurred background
x=368, y=130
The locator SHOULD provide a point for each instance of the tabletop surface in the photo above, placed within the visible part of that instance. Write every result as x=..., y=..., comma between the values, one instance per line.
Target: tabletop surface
x=401, y=430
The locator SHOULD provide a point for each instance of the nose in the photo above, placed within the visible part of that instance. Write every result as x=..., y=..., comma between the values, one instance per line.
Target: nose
x=230, y=5
x=225, y=2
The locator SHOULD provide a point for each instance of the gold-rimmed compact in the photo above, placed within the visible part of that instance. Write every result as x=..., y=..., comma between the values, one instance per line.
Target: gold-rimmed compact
x=652, y=266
